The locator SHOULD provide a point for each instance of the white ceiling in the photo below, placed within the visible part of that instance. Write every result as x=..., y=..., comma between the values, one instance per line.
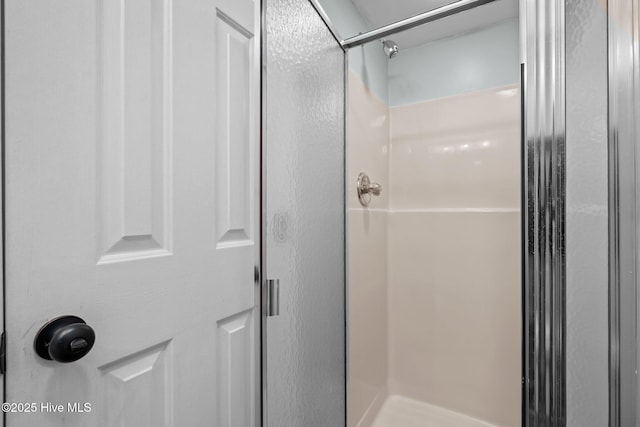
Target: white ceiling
x=382, y=12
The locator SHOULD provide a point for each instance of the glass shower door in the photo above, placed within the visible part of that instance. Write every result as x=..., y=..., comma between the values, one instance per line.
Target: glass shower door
x=304, y=218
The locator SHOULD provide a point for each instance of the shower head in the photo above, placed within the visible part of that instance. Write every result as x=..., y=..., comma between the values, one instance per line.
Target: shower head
x=390, y=48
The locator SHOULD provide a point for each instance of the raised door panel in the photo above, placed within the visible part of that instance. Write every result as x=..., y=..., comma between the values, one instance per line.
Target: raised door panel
x=235, y=370
x=134, y=128
x=234, y=163
x=137, y=390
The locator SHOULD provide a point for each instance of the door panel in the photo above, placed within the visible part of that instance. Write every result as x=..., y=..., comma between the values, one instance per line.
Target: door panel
x=132, y=136
x=304, y=232
x=133, y=129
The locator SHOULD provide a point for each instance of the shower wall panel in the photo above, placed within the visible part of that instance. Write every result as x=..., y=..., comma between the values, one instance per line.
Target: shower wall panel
x=454, y=254
x=367, y=152
x=457, y=152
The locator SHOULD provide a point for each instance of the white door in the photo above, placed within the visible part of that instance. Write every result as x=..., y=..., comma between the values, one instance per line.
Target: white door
x=132, y=135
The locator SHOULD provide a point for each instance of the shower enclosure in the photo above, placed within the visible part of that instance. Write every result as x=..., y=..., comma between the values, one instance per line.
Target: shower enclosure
x=435, y=259
x=312, y=101
x=305, y=380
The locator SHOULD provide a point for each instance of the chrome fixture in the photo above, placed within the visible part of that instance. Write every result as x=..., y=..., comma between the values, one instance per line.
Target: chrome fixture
x=544, y=220
x=366, y=188
x=414, y=21
x=272, y=292
x=390, y=48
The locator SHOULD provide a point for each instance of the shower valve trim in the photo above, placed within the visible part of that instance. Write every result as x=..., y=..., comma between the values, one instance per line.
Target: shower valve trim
x=366, y=188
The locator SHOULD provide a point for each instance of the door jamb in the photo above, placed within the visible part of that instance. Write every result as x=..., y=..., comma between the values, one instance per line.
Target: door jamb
x=3, y=390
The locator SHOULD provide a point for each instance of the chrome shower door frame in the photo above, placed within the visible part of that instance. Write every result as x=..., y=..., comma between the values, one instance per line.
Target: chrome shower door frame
x=543, y=213
x=624, y=187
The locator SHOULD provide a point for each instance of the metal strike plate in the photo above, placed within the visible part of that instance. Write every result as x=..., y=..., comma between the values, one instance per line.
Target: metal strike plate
x=272, y=297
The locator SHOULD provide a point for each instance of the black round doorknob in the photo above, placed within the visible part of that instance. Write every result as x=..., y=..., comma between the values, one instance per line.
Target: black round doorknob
x=64, y=339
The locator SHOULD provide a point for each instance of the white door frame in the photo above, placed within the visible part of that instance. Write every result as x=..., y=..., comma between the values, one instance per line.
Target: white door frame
x=2, y=232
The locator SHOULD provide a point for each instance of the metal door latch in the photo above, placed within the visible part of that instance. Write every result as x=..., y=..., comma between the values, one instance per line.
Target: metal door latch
x=272, y=297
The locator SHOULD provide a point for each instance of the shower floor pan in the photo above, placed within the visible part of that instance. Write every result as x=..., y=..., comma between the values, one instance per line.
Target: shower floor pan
x=399, y=411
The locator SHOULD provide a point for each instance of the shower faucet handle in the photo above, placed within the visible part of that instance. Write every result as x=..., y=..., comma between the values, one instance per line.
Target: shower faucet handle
x=375, y=188
x=366, y=188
